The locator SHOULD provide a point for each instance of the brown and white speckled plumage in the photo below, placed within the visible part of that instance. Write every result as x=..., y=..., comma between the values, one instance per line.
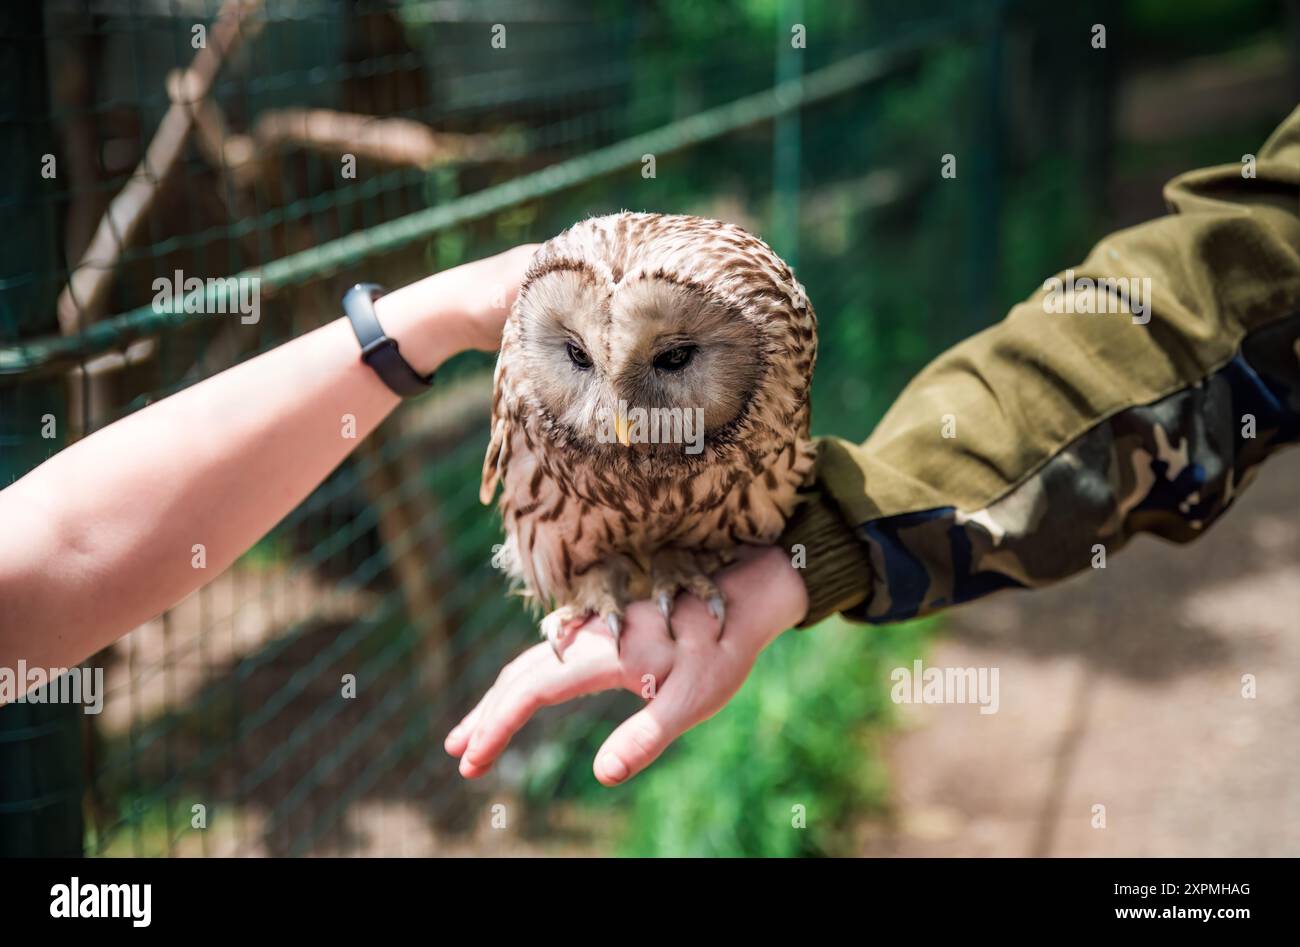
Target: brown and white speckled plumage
x=591, y=525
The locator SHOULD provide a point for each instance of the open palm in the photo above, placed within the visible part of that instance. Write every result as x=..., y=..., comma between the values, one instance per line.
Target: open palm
x=684, y=681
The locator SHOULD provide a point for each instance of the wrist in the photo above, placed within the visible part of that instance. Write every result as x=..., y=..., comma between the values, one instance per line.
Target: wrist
x=426, y=321
x=837, y=566
x=771, y=590
x=791, y=595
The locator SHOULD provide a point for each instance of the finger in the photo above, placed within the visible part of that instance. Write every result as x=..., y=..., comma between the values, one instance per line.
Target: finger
x=639, y=740
x=468, y=770
x=550, y=683
x=647, y=652
x=693, y=623
x=458, y=737
x=460, y=734
x=473, y=766
x=645, y=663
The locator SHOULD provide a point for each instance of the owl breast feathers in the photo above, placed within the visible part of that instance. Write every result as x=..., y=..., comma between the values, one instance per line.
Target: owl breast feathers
x=650, y=413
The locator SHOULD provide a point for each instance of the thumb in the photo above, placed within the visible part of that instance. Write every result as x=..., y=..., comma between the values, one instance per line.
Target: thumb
x=638, y=740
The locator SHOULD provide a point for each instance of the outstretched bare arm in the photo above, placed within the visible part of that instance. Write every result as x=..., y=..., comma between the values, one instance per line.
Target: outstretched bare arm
x=101, y=536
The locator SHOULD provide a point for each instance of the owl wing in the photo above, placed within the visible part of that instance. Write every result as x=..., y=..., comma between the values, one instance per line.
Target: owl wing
x=498, y=450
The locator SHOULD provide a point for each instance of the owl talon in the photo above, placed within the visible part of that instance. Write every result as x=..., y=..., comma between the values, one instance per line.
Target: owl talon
x=718, y=609
x=616, y=629
x=558, y=625
x=551, y=629
x=553, y=635
x=666, y=609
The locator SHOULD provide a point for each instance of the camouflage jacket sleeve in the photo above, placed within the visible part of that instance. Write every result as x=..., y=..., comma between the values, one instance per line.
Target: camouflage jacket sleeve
x=1137, y=392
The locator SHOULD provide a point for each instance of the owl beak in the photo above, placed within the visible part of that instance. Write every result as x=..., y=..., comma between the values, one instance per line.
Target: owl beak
x=621, y=428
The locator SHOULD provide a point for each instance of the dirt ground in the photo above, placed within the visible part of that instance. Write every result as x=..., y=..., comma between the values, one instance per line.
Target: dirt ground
x=1123, y=688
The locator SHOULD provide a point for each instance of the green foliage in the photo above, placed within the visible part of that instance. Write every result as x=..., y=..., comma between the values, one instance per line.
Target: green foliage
x=1048, y=224
x=887, y=249
x=154, y=825
x=801, y=732
x=1197, y=26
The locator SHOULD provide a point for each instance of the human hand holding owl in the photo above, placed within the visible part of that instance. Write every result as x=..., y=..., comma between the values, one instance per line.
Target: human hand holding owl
x=650, y=416
x=684, y=680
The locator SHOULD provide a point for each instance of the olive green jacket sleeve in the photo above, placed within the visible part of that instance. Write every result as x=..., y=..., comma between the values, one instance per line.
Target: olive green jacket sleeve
x=1135, y=393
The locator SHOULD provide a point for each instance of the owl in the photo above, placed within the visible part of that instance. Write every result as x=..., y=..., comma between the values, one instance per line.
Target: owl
x=650, y=415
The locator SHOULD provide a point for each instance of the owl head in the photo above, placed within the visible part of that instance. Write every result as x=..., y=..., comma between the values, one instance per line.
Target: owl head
x=647, y=338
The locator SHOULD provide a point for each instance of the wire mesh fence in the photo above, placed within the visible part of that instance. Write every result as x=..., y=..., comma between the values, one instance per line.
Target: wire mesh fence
x=315, y=143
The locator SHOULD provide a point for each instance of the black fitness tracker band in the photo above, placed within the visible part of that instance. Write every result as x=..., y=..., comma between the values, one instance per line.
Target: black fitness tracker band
x=378, y=350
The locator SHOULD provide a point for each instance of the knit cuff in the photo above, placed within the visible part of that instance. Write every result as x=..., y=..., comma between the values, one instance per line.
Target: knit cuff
x=837, y=570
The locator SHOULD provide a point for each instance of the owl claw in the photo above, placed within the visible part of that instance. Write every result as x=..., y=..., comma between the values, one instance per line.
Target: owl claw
x=552, y=628
x=558, y=625
x=616, y=629
x=666, y=609
x=718, y=608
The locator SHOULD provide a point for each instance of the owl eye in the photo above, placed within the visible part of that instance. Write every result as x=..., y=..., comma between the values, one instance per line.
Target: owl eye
x=580, y=359
x=674, y=360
